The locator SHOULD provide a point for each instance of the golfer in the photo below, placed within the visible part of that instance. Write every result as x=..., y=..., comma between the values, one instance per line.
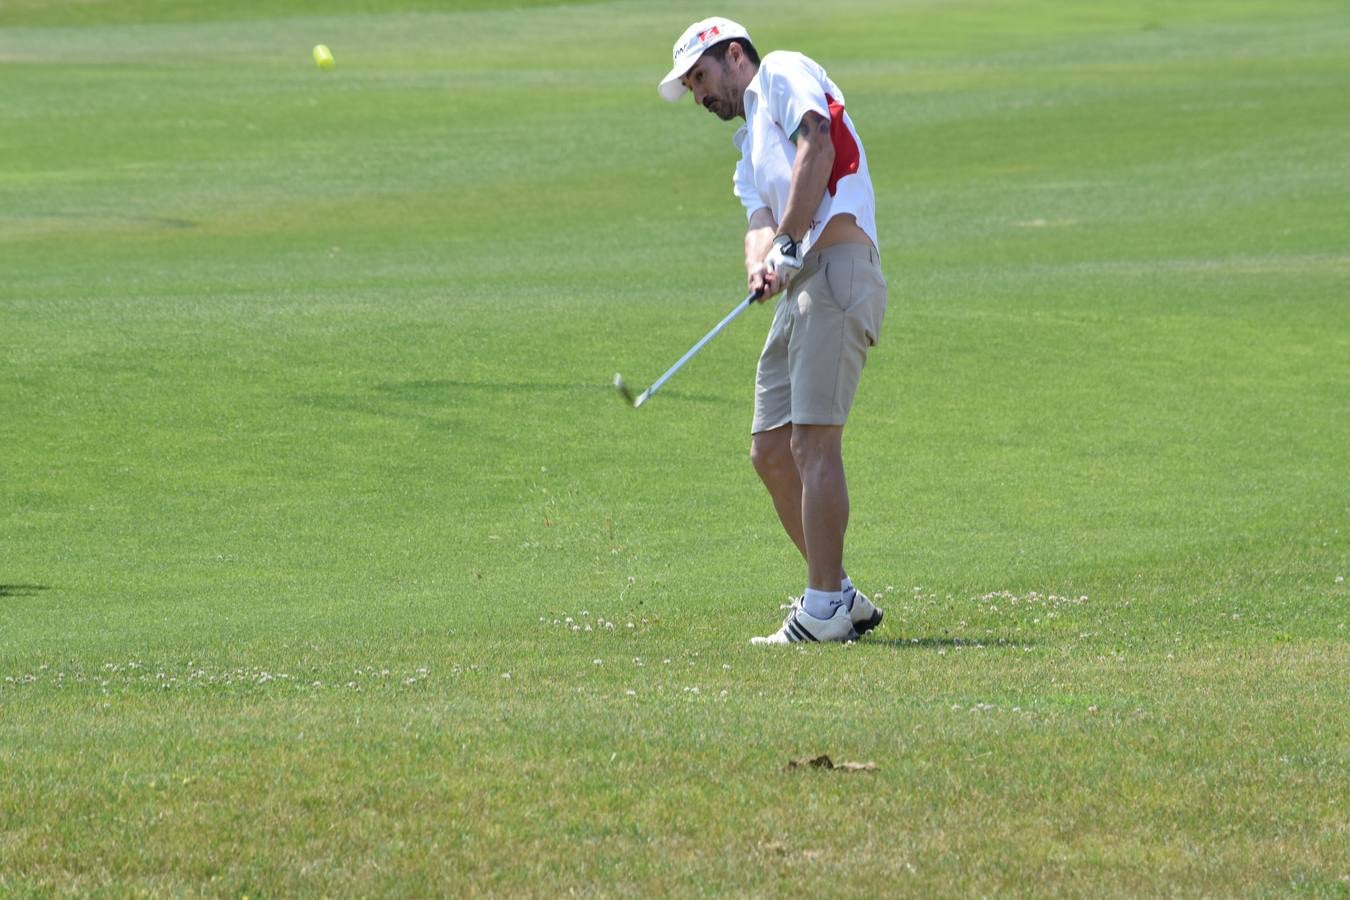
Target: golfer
x=812, y=239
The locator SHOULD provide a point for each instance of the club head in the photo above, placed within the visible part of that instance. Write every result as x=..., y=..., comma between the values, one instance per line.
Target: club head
x=641, y=399
x=623, y=390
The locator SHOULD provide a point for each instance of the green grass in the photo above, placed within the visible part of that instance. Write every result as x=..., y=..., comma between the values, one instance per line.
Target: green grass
x=330, y=564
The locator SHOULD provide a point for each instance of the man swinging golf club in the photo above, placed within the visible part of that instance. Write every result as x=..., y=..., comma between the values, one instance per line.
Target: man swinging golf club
x=811, y=237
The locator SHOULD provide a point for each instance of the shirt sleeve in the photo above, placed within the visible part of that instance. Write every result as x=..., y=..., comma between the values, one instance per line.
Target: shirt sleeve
x=744, y=186
x=792, y=89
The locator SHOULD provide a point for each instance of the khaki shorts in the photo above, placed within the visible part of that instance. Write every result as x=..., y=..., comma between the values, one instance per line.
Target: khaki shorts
x=817, y=345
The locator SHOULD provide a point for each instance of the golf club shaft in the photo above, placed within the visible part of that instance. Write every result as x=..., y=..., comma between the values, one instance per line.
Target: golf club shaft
x=740, y=308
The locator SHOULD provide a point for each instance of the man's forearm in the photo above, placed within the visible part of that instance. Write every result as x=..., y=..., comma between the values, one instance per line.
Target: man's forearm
x=759, y=237
x=810, y=176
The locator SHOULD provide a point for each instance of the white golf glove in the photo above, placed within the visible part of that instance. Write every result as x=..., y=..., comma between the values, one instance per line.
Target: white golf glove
x=784, y=260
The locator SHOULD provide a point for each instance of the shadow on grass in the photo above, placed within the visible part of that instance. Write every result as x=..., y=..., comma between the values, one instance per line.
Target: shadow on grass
x=929, y=643
x=420, y=399
x=444, y=390
x=21, y=590
x=104, y=219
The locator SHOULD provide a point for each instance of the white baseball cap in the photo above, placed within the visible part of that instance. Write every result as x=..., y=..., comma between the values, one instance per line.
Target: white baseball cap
x=696, y=39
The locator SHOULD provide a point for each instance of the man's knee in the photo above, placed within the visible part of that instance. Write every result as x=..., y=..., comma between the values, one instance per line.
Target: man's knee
x=770, y=452
x=814, y=446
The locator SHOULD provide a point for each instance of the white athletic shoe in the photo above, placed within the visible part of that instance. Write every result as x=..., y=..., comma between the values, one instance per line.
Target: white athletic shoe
x=800, y=627
x=864, y=614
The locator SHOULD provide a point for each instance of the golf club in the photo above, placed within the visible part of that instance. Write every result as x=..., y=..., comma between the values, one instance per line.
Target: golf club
x=646, y=395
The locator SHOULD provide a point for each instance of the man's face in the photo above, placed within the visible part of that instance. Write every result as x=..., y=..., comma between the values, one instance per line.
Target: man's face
x=714, y=87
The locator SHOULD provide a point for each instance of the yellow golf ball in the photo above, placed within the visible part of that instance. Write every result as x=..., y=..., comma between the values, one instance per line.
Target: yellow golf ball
x=323, y=57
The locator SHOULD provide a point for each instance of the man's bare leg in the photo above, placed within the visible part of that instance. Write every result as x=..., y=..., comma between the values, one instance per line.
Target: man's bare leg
x=803, y=468
x=818, y=453
x=771, y=454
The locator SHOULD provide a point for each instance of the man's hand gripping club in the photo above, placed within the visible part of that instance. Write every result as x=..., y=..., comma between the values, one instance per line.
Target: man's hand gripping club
x=770, y=270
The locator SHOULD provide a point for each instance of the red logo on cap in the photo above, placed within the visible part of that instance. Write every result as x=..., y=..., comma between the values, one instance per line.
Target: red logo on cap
x=712, y=32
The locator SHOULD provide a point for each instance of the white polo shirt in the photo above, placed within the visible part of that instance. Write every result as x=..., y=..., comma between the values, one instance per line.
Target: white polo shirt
x=787, y=86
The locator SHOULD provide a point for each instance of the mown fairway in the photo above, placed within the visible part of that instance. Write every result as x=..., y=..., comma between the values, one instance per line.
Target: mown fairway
x=330, y=564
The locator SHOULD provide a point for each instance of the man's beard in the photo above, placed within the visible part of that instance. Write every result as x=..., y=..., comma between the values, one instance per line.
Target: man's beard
x=719, y=107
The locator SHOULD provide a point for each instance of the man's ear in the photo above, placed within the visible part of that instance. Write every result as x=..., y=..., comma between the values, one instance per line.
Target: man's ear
x=735, y=55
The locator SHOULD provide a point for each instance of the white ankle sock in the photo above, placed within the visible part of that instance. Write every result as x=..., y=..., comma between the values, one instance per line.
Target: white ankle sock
x=848, y=590
x=822, y=604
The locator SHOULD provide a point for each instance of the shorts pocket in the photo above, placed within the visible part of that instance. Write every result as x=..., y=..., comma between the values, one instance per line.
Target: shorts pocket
x=866, y=300
x=839, y=278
